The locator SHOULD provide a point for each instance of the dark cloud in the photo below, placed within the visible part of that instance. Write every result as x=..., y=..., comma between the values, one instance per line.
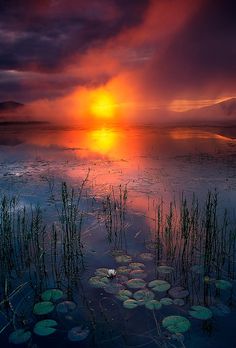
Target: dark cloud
x=201, y=56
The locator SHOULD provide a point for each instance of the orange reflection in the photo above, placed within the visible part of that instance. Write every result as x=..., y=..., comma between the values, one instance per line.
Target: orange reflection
x=102, y=140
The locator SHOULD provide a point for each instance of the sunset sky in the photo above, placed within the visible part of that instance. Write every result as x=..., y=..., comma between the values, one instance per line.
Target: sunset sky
x=137, y=54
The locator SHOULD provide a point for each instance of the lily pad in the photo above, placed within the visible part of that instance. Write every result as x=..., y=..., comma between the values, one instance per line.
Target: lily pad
x=220, y=309
x=200, y=312
x=146, y=256
x=179, y=302
x=198, y=269
x=176, y=324
x=113, y=288
x=101, y=272
x=153, y=304
x=45, y=327
x=66, y=307
x=98, y=281
x=19, y=336
x=223, y=284
x=136, y=265
x=178, y=292
x=124, y=270
x=52, y=295
x=136, y=283
x=123, y=259
x=165, y=269
x=78, y=333
x=144, y=295
x=130, y=304
x=43, y=307
x=166, y=301
x=159, y=285
x=138, y=273
x=124, y=295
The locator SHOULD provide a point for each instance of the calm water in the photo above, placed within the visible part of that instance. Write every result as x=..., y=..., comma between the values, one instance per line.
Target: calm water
x=130, y=172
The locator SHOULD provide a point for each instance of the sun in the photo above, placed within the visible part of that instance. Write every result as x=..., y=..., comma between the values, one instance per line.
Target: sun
x=102, y=104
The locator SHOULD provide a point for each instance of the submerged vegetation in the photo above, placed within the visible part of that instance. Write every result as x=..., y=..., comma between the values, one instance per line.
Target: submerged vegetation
x=183, y=271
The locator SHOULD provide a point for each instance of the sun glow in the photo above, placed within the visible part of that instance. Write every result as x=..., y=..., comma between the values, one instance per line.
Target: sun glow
x=102, y=104
x=102, y=140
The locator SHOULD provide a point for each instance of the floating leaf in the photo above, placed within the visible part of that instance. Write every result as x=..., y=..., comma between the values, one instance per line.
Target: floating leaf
x=113, y=288
x=198, y=269
x=124, y=295
x=144, y=295
x=136, y=265
x=43, y=307
x=176, y=324
x=122, y=279
x=130, y=304
x=200, y=312
x=78, y=333
x=153, y=304
x=178, y=292
x=223, y=284
x=220, y=309
x=19, y=336
x=138, y=273
x=165, y=269
x=159, y=285
x=166, y=301
x=52, y=295
x=146, y=256
x=66, y=307
x=123, y=259
x=136, y=283
x=123, y=270
x=98, y=281
x=179, y=302
x=103, y=272
x=45, y=327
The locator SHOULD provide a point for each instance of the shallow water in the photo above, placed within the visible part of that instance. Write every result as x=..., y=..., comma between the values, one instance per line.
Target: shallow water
x=153, y=165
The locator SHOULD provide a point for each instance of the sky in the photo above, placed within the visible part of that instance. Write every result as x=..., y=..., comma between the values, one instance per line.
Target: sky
x=66, y=57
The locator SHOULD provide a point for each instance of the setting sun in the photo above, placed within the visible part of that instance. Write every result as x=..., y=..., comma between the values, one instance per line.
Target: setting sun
x=102, y=104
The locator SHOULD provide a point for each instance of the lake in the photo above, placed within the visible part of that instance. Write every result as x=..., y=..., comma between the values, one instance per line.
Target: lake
x=155, y=204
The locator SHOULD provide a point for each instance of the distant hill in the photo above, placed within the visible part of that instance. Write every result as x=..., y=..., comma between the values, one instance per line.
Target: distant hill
x=10, y=105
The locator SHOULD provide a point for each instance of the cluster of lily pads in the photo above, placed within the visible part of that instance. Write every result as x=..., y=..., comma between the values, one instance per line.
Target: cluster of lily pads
x=131, y=288
x=47, y=326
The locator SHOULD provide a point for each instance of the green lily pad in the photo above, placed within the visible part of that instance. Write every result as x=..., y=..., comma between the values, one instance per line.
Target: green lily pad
x=136, y=265
x=153, y=304
x=43, y=307
x=113, y=288
x=66, y=307
x=130, y=304
x=45, y=327
x=138, y=273
x=178, y=292
x=78, y=333
x=223, y=284
x=165, y=269
x=124, y=270
x=98, y=281
x=166, y=301
x=136, y=283
x=200, y=312
x=159, y=285
x=19, y=336
x=52, y=295
x=124, y=295
x=146, y=256
x=102, y=272
x=179, y=302
x=176, y=324
x=123, y=259
x=144, y=295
